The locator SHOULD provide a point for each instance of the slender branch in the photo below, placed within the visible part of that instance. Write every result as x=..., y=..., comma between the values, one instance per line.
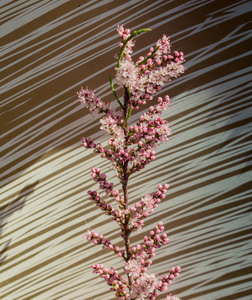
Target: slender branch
x=127, y=117
x=126, y=41
x=127, y=112
x=114, y=92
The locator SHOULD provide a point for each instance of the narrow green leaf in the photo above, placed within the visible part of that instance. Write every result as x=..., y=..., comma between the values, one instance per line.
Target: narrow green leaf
x=127, y=117
x=114, y=92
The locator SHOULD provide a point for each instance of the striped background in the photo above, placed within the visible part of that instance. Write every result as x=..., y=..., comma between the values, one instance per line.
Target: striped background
x=52, y=47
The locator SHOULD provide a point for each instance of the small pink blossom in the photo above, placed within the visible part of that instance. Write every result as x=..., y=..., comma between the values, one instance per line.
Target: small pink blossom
x=127, y=74
x=133, y=268
x=172, y=297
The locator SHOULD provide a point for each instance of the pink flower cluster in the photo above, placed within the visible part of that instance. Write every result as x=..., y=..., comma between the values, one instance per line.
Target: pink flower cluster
x=111, y=125
x=130, y=148
x=117, y=214
x=104, y=185
x=144, y=252
x=88, y=99
x=125, y=34
x=150, y=73
x=144, y=285
x=117, y=283
x=144, y=137
x=146, y=206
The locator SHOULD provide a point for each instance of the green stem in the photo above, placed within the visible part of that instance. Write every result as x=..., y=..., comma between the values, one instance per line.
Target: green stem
x=114, y=92
x=127, y=117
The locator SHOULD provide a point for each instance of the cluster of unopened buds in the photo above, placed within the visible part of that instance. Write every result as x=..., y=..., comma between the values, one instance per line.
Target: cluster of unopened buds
x=148, y=286
x=104, y=185
x=130, y=149
x=98, y=239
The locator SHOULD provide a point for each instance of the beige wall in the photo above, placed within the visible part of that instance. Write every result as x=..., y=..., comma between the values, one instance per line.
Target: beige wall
x=49, y=50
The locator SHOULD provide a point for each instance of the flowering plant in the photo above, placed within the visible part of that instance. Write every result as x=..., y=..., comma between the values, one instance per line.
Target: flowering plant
x=130, y=149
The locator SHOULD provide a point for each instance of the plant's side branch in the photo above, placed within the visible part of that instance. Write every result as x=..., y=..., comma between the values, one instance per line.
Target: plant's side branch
x=126, y=41
x=127, y=117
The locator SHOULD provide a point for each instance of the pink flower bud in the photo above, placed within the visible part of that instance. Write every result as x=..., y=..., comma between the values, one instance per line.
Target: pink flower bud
x=178, y=269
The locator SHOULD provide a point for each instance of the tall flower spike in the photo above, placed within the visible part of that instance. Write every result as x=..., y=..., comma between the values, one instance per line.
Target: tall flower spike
x=131, y=149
